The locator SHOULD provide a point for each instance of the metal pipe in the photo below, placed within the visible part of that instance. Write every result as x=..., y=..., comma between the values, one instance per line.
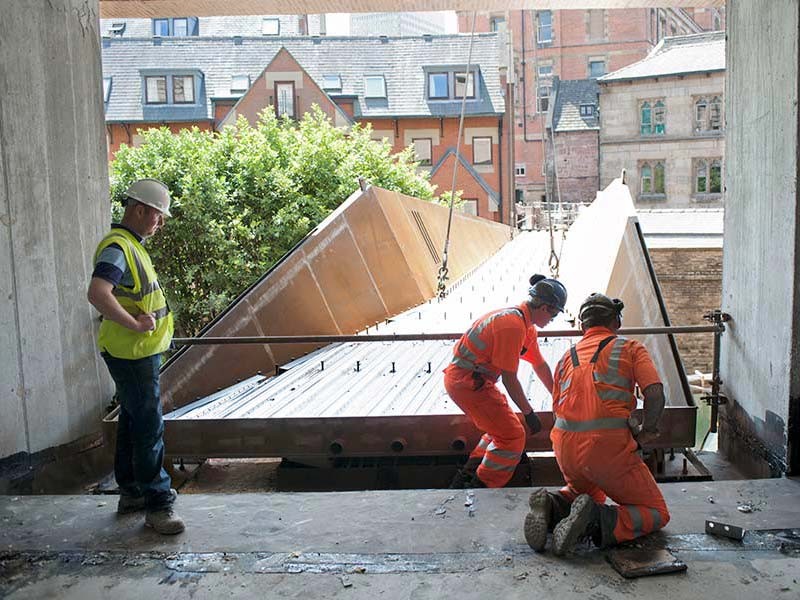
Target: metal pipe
x=412, y=337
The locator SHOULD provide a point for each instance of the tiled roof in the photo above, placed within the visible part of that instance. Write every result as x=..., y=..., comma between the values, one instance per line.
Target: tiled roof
x=570, y=95
x=249, y=25
x=682, y=227
x=402, y=61
x=697, y=53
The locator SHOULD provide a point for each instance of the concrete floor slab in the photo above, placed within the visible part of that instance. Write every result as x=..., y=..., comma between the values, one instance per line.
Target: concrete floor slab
x=400, y=544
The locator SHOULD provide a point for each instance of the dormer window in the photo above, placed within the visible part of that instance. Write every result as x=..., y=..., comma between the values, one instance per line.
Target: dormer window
x=175, y=27
x=106, y=88
x=332, y=83
x=169, y=89
x=240, y=83
x=271, y=26
x=587, y=110
x=374, y=86
x=117, y=29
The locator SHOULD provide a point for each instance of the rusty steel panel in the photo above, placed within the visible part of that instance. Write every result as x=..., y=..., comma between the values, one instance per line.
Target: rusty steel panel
x=361, y=436
x=366, y=262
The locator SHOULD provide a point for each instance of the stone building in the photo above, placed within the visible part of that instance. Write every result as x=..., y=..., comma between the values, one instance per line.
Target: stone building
x=662, y=121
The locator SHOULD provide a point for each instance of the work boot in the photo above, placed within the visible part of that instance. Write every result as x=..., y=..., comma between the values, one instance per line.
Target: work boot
x=164, y=521
x=460, y=480
x=583, y=520
x=538, y=521
x=128, y=504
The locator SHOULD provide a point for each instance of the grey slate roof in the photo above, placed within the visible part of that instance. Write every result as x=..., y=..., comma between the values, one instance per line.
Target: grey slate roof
x=682, y=227
x=403, y=62
x=697, y=53
x=249, y=25
x=570, y=94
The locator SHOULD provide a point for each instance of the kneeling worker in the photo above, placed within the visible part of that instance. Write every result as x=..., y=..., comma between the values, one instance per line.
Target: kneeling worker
x=489, y=350
x=595, y=448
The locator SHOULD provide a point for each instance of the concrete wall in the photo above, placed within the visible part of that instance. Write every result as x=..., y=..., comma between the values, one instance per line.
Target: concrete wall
x=53, y=210
x=622, y=146
x=760, y=352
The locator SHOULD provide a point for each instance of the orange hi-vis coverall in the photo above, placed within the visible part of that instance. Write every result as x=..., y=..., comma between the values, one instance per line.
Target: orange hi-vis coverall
x=494, y=343
x=592, y=400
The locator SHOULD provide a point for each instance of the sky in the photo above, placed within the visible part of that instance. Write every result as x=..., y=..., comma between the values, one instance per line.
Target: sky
x=339, y=23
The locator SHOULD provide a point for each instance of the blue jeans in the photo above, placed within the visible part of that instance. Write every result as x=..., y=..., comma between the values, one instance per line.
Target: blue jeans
x=139, y=457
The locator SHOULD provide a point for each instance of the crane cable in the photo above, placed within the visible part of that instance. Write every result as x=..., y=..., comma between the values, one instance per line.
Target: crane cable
x=443, y=270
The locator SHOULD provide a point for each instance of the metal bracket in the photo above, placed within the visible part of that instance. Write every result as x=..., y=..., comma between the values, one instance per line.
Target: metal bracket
x=715, y=399
x=725, y=530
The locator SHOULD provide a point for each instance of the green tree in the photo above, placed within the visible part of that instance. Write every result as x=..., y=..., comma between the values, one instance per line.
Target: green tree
x=245, y=196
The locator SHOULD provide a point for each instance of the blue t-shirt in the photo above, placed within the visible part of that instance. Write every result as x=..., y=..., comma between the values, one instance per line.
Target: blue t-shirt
x=111, y=264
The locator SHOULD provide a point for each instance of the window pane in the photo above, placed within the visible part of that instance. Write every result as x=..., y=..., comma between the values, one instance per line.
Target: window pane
x=470, y=206
x=161, y=27
x=658, y=182
x=597, y=68
x=715, y=184
x=715, y=114
x=461, y=78
x=646, y=115
x=544, y=32
x=285, y=101
x=422, y=150
x=156, y=90
x=496, y=23
x=182, y=89
x=331, y=82
x=375, y=86
x=180, y=27
x=437, y=85
x=106, y=88
x=647, y=180
x=271, y=27
x=659, y=117
x=481, y=150
x=545, y=70
x=240, y=83
x=701, y=179
x=544, y=98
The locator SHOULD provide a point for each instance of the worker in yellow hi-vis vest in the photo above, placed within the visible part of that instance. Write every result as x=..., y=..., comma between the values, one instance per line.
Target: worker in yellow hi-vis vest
x=136, y=328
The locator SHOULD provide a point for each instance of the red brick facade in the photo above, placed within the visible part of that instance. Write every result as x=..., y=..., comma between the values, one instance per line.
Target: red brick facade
x=576, y=160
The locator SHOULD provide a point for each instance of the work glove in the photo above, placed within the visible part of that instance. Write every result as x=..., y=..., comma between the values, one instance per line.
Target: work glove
x=533, y=422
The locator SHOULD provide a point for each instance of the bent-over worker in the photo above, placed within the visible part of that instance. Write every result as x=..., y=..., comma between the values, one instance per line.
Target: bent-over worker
x=593, y=397
x=136, y=328
x=491, y=350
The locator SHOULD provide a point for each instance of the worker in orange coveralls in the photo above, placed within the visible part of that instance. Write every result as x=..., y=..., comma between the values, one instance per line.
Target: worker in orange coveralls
x=490, y=350
x=596, y=449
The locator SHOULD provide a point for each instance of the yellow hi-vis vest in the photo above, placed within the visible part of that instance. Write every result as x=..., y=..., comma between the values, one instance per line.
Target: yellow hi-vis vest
x=144, y=297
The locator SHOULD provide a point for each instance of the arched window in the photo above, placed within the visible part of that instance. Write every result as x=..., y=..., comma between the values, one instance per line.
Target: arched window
x=700, y=114
x=658, y=179
x=646, y=115
x=715, y=179
x=715, y=114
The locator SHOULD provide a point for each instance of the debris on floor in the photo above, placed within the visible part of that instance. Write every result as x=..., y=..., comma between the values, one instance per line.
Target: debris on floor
x=642, y=562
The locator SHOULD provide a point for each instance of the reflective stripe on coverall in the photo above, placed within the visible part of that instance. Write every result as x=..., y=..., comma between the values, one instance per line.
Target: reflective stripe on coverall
x=593, y=445
x=497, y=337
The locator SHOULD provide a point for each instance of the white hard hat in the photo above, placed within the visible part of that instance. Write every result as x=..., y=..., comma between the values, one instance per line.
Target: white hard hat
x=151, y=192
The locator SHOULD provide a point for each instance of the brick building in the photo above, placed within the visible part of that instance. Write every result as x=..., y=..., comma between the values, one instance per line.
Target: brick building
x=572, y=144
x=573, y=45
x=408, y=88
x=663, y=122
